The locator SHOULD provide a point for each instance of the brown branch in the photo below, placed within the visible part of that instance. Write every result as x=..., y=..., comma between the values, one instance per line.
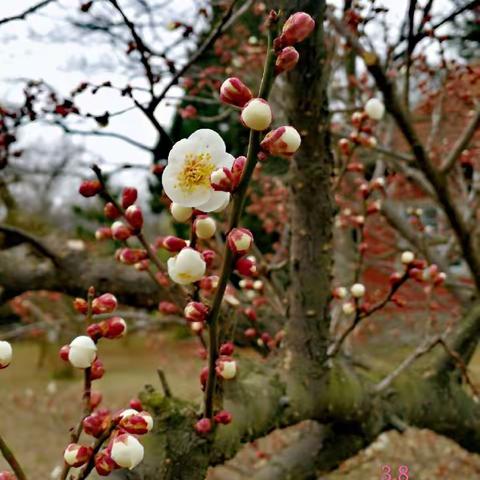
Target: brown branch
x=28, y=11
x=462, y=142
x=9, y=456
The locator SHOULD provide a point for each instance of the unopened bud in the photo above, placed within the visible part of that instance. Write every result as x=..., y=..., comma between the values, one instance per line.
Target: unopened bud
x=246, y=266
x=90, y=188
x=129, y=196
x=127, y=451
x=116, y=327
x=134, y=216
x=103, y=233
x=104, y=464
x=296, y=29
x=283, y=142
x=82, y=352
x=167, y=308
x=256, y=114
x=76, y=455
x=286, y=60
x=357, y=290
x=111, y=211
x=5, y=354
x=204, y=227
x=375, y=109
x=407, y=257
x=120, y=231
x=173, y=244
x=196, y=312
x=234, y=92
x=106, y=303
x=223, y=417
x=239, y=240
x=203, y=426
x=222, y=180
x=180, y=213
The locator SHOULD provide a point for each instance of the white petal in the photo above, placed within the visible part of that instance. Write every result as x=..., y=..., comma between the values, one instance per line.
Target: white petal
x=193, y=198
x=178, y=151
x=226, y=161
x=215, y=202
x=206, y=140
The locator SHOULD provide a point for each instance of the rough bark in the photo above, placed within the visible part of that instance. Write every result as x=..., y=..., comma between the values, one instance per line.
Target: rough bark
x=21, y=270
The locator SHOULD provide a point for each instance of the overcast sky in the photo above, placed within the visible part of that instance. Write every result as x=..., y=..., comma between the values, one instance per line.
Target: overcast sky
x=28, y=51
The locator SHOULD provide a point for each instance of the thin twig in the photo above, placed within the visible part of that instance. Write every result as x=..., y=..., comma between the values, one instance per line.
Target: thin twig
x=23, y=15
x=163, y=380
x=11, y=460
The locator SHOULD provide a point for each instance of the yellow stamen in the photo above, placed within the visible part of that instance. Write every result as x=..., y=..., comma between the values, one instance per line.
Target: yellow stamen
x=196, y=172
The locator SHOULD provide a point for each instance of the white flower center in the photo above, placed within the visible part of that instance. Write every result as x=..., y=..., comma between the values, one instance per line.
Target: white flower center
x=196, y=171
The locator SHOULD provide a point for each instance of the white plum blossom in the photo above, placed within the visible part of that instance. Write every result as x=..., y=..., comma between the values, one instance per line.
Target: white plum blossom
x=82, y=352
x=191, y=161
x=375, y=109
x=5, y=354
x=186, y=267
x=127, y=451
x=357, y=290
x=407, y=257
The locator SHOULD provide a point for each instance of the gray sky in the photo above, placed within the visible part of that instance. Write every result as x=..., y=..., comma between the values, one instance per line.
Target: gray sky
x=28, y=51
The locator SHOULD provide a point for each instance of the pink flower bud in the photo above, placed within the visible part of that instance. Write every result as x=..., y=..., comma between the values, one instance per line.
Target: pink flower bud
x=246, y=266
x=111, y=211
x=394, y=278
x=196, y=312
x=5, y=475
x=237, y=170
x=97, y=370
x=134, y=216
x=97, y=330
x=116, y=328
x=95, y=400
x=222, y=180
x=226, y=349
x=256, y=114
x=286, y=60
x=168, y=308
x=208, y=257
x=203, y=426
x=226, y=368
x=297, y=28
x=131, y=256
x=129, y=196
x=120, y=231
x=138, y=423
x=282, y=142
x=80, y=305
x=90, y=188
x=344, y=146
x=204, y=227
x=208, y=284
x=104, y=464
x=251, y=314
x=204, y=377
x=106, y=303
x=63, y=353
x=103, y=233
x=97, y=423
x=234, y=92
x=250, y=333
x=239, y=240
x=223, y=417
x=76, y=455
x=136, y=404
x=173, y=244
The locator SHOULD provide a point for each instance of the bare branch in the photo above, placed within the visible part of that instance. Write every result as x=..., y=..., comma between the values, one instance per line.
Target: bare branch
x=23, y=15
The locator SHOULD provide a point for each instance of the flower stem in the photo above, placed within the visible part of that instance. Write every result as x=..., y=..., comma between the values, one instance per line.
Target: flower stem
x=239, y=198
x=11, y=459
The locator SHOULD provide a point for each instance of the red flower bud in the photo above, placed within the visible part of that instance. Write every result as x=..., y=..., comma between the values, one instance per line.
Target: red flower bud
x=246, y=266
x=239, y=240
x=76, y=455
x=136, y=404
x=286, y=60
x=203, y=377
x=106, y=303
x=173, y=244
x=95, y=400
x=234, y=92
x=80, y=305
x=203, y=426
x=129, y=196
x=223, y=417
x=104, y=464
x=168, y=308
x=97, y=423
x=139, y=423
x=222, y=180
x=296, y=29
x=283, y=142
x=208, y=257
x=131, y=256
x=90, y=188
x=237, y=170
x=116, y=328
x=196, y=312
x=97, y=369
x=134, y=216
x=251, y=314
x=226, y=349
x=250, y=333
x=5, y=475
x=120, y=231
x=63, y=353
x=395, y=278
x=344, y=146
x=208, y=284
x=111, y=211
x=96, y=330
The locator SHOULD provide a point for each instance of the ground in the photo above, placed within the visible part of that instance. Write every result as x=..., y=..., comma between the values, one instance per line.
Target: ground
x=39, y=406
